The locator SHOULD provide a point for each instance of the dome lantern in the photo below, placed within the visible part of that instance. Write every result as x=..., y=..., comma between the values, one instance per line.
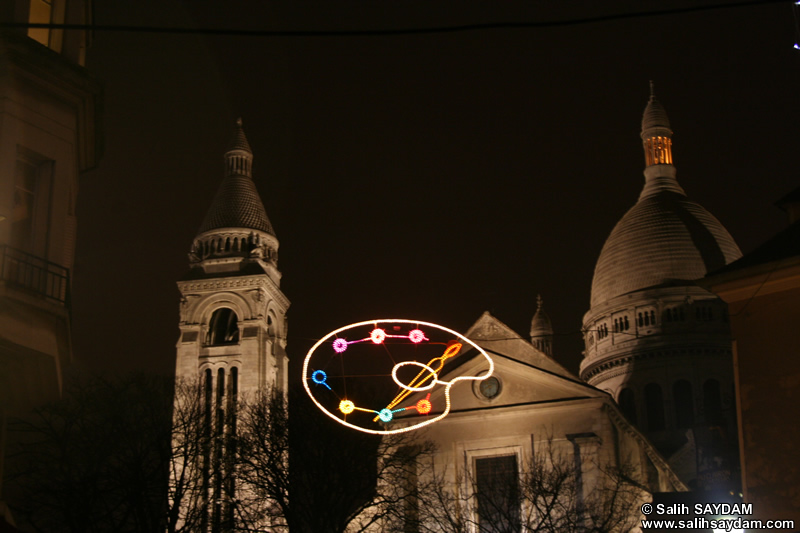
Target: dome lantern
x=656, y=132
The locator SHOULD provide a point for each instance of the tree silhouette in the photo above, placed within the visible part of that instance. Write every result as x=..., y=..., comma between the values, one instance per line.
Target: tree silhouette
x=549, y=493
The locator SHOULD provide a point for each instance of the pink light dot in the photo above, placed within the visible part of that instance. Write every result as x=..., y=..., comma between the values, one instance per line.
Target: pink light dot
x=377, y=336
x=416, y=336
x=339, y=345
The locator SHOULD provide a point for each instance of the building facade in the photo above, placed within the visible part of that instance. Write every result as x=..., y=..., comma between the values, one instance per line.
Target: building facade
x=49, y=136
x=762, y=290
x=530, y=448
x=655, y=340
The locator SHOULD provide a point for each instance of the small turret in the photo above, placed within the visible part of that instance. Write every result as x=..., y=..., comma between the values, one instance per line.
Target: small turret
x=542, y=329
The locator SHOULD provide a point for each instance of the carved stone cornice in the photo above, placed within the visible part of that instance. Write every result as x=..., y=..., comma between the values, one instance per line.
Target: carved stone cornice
x=243, y=283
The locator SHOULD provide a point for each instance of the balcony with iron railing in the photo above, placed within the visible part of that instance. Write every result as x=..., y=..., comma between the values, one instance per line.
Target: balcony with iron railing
x=34, y=275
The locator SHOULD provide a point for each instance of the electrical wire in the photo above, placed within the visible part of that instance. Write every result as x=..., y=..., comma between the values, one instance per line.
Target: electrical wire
x=387, y=32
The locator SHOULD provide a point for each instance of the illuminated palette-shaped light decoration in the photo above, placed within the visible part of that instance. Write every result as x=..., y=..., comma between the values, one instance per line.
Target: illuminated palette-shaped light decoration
x=344, y=364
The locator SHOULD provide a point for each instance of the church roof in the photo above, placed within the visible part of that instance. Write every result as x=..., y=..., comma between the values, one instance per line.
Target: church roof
x=237, y=203
x=492, y=334
x=784, y=245
x=664, y=237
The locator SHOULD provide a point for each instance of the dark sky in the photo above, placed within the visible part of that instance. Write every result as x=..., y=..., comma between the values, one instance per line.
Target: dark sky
x=429, y=176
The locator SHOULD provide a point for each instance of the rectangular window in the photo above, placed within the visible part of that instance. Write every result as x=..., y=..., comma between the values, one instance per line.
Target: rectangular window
x=30, y=213
x=497, y=491
x=40, y=13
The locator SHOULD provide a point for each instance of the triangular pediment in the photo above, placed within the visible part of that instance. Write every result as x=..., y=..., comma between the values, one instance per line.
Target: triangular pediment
x=523, y=374
x=493, y=334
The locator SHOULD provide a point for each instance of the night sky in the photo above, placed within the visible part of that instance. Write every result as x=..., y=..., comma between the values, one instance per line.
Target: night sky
x=424, y=176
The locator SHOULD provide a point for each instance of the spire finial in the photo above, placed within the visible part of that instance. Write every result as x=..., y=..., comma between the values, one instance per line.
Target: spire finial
x=538, y=301
x=239, y=157
x=239, y=141
x=652, y=90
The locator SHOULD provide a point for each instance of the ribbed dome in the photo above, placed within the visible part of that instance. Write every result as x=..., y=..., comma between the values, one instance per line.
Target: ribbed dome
x=664, y=237
x=654, y=115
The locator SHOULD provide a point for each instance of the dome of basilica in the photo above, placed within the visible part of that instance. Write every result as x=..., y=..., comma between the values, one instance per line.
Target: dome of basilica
x=664, y=237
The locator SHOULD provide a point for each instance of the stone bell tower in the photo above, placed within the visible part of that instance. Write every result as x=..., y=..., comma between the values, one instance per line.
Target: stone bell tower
x=233, y=313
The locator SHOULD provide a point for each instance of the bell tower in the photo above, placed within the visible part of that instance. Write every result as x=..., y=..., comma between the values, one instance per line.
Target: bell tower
x=232, y=311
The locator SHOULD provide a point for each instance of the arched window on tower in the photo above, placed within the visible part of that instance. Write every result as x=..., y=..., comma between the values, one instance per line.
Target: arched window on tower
x=627, y=403
x=684, y=404
x=654, y=402
x=223, y=328
x=712, y=402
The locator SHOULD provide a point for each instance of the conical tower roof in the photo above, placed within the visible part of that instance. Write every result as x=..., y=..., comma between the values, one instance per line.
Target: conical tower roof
x=237, y=203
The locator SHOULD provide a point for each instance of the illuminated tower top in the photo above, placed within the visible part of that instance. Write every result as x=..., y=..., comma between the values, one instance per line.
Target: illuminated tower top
x=657, y=141
x=237, y=204
x=656, y=133
x=665, y=236
x=236, y=233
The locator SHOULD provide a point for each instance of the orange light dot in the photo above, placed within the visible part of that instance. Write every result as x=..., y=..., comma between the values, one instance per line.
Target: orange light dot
x=347, y=407
x=424, y=406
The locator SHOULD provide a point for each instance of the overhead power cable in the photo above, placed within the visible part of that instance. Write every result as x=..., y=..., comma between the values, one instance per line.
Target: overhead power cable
x=388, y=32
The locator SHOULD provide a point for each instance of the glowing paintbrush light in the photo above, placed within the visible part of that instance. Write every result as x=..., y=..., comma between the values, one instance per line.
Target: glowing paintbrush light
x=375, y=333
